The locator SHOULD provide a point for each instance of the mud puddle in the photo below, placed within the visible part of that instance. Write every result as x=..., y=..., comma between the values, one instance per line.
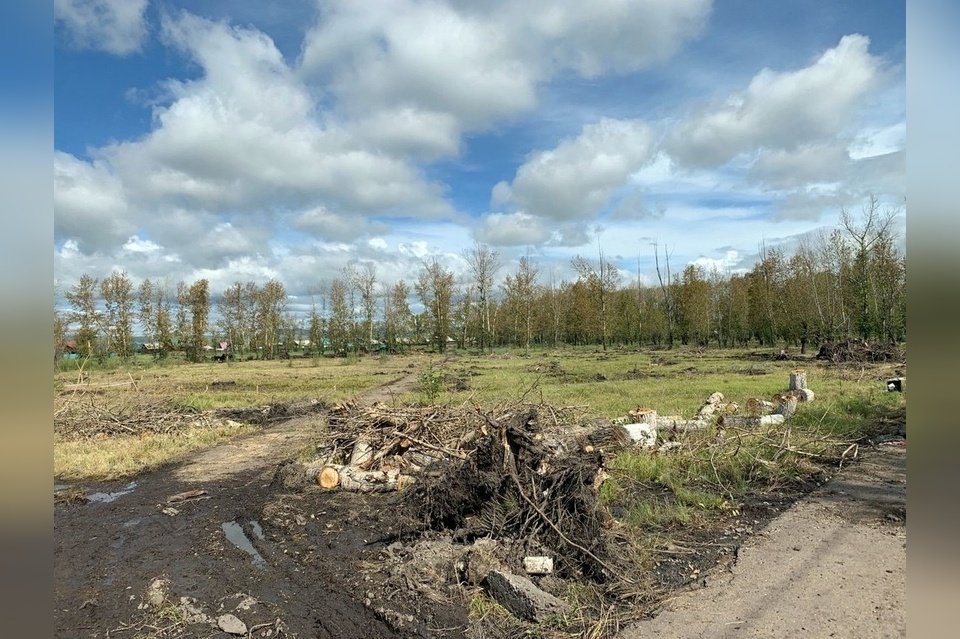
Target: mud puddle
x=106, y=498
x=236, y=536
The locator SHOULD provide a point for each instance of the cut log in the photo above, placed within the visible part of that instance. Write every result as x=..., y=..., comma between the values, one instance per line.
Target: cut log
x=328, y=477
x=365, y=481
x=750, y=421
x=798, y=379
x=362, y=452
x=644, y=435
x=677, y=424
x=787, y=405
x=711, y=406
x=756, y=406
x=802, y=395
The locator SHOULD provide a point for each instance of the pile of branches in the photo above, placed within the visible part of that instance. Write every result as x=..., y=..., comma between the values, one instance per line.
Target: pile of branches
x=521, y=482
x=87, y=415
x=856, y=350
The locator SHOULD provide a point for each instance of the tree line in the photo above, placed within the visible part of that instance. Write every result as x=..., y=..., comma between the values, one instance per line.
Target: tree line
x=845, y=284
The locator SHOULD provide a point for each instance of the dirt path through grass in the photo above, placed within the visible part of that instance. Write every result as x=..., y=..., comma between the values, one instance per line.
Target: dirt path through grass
x=834, y=565
x=265, y=448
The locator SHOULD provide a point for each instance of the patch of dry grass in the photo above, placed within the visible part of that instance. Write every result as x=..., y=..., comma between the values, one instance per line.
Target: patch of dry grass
x=127, y=455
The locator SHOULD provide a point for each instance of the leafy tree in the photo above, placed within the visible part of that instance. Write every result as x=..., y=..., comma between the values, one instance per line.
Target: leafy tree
x=84, y=313
x=601, y=280
x=117, y=293
x=198, y=299
x=435, y=288
x=340, y=317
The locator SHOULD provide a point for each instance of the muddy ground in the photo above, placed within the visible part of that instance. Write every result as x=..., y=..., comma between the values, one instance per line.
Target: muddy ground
x=131, y=563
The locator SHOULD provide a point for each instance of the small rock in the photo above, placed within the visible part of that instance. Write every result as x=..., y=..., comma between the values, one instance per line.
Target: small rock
x=170, y=510
x=538, y=565
x=158, y=591
x=246, y=603
x=521, y=597
x=231, y=625
x=192, y=611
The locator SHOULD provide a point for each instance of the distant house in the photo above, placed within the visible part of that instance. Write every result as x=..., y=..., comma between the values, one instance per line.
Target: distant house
x=151, y=347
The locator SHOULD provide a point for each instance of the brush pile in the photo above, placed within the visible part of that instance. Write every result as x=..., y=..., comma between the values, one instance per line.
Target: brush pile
x=522, y=472
x=89, y=415
x=860, y=351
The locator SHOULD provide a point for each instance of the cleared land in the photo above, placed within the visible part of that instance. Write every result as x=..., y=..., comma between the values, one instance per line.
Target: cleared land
x=376, y=562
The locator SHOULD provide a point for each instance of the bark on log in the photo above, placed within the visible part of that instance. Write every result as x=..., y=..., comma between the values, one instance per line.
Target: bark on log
x=710, y=406
x=787, y=405
x=362, y=452
x=751, y=421
x=642, y=415
x=370, y=481
x=798, y=379
x=677, y=424
x=802, y=395
x=642, y=434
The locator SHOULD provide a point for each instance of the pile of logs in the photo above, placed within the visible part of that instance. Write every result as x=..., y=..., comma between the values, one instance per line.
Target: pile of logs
x=379, y=448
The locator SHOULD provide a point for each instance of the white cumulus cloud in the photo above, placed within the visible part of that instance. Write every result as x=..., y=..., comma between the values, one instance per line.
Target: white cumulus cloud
x=114, y=26
x=576, y=179
x=782, y=110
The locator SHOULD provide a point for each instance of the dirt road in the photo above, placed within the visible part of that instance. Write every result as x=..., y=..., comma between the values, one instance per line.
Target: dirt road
x=109, y=551
x=834, y=565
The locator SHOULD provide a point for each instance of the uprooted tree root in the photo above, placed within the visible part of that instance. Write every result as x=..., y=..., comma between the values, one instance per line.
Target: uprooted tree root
x=515, y=485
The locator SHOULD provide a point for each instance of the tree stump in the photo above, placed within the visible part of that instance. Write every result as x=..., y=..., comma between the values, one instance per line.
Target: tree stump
x=798, y=379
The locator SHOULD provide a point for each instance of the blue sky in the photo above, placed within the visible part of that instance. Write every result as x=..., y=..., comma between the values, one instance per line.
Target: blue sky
x=244, y=141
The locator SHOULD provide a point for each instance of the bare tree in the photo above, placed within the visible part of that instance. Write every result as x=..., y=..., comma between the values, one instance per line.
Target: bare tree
x=233, y=321
x=484, y=263
x=398, y=317
x=364, y=280
x=666, y=290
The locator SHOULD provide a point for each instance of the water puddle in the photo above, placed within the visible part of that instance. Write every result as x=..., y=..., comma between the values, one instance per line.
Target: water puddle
x=238, y=538
x=106, y=498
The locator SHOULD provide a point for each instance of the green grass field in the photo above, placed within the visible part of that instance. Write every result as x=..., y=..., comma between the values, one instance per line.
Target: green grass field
x=850, y=401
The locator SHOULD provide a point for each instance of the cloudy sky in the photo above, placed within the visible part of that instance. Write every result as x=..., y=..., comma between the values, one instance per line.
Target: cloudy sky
x=238, y=140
